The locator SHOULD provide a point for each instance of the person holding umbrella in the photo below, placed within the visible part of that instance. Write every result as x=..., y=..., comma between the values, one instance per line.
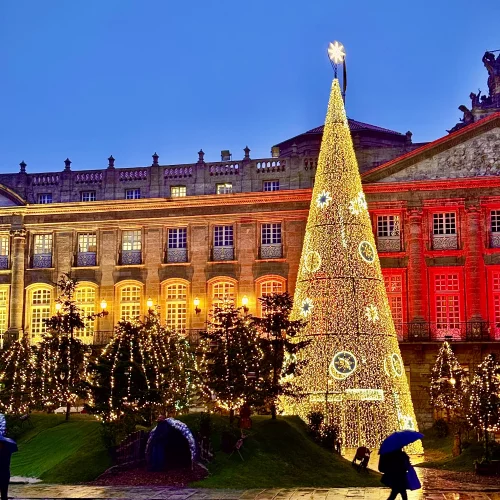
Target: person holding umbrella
x=394, y=463
x=7, y=447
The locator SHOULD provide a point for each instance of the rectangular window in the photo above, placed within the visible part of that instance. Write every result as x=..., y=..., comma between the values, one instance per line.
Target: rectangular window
x=394, y=288
x=271, y=234
x=177, y=237
x=40, y=311
x=495, y=289
x=42, y=244
x=223, y=236
x=130, y=303
x=131, y=240
x=4, y=251
x=177, y=191
x=87, y=249
x=45, y=198
x=388, y=226
x=447, y=305
x=495, y=221
x=88, y=196
x=271, y=185
x=4, y=313
x=176, y=307
x=132, y=194
x=224, y=188
x=444, y=223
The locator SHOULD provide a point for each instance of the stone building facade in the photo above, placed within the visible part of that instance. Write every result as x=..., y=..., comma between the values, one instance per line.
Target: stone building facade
x=186, y=236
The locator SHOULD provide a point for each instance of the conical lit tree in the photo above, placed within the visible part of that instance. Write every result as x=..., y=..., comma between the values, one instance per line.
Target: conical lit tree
x=485, y=399
x=17, y=368
x=448, y=384
x=355, y=374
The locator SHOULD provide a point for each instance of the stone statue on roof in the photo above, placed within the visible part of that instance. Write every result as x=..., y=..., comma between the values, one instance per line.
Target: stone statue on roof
x=492, y=65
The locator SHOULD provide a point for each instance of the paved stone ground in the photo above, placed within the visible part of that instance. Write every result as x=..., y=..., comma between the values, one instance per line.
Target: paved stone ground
x=162, y=493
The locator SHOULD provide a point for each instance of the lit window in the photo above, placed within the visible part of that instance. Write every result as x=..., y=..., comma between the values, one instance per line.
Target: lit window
x=130, y=302
x=131, y=240
x=4, y=245
x=267, y=288
x=87, y=242
x=176, y=306
x=177, y=237
x=223, y=236
x=394, y=289
x=388, y=226
x=271, y=185
x=221, y=291
x=39, y=311
x=495, y=221
x=495, y=286
x=132, y=194
x=85, y=299
x=271, y=233
x=4, y=313
x=45, y=198
x=177, y=191
x=444, y=223
x=88, y=196
x=224, y=188
x=43, y=244
x=447, y=304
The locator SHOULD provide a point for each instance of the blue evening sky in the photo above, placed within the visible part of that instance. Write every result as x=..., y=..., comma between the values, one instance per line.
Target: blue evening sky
x=87, y=79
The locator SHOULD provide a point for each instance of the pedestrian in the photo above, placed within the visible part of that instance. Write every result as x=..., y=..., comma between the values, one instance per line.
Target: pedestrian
x=395, y=466
x=6, y=450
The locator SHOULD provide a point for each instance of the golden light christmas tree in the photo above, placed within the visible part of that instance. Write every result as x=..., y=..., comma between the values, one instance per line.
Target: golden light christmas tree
x=355, y=374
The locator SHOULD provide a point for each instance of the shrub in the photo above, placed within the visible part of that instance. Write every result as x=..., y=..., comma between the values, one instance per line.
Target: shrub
x=315, y=421
x=329, y=435
x=441, y=428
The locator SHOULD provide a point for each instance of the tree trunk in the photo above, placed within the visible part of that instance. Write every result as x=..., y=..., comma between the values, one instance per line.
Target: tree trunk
x=231, y=416
x=68, y=409
x=273, y=410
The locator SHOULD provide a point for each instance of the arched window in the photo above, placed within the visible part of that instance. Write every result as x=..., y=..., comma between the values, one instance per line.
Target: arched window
x=130, y=302
x=85, y=299
x=267, y=286
x=222, y=290
x=39, y=310
x=176, y=306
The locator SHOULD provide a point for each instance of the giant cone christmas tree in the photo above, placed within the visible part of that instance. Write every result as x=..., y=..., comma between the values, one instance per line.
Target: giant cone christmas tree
x=354, y=373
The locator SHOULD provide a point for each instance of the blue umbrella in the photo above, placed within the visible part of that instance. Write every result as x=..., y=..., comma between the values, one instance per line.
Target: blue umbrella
x=10, y=443
x=398, y=440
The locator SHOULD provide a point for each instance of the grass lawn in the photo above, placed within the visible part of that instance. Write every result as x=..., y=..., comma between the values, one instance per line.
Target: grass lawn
x=438, y=454
x=279, y=454
x=57, y=451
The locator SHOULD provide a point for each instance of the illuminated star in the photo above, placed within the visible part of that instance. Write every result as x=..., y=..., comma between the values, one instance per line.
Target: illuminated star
x=336, y=52
x=359, y=204
x=306, y=307
x=323, y=199
x=371, y=313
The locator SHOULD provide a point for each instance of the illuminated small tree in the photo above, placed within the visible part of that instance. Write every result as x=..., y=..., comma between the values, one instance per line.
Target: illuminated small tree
x=448, y=384
x=230, y=358
x=485, y=399
x=279, y=346
x=17, y=368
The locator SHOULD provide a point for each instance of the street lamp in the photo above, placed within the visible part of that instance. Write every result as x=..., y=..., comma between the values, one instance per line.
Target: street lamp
x=149, y=303
x=104, y=305
x=244, y=303
x=196, y=303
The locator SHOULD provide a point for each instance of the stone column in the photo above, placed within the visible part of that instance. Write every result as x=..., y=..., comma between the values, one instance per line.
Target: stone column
x=475, y=288
x=417, y=289
x=17, y=283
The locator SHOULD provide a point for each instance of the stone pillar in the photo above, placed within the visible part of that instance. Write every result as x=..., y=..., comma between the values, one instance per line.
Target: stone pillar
x=17, y=283
x=475, y=288
x=417, y=289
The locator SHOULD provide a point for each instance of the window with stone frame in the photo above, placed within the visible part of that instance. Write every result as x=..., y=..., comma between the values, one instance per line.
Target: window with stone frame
x=495, y=229
x=222, y=291
x=4, y=312
x=42, y=250
x=272, y=185
x=269, y=287
x=394, y=289
x=130, y=302
x=44, y=198
x=224, y=188
x=39, y=310
x=447, y=305
x=388, y=233
x=177, y=244
x=444, y=231
x=176, y=306
x=178, y=191
x=495, y=297
x=88, y=196
x=85, y=297
x=131, y=247
x=270, y=240
x=4, y=251
x=132, y=194
x=223, y=243
x=87, y=249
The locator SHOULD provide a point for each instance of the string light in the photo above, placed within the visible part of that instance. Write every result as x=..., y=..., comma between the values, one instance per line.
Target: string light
x=340, y=291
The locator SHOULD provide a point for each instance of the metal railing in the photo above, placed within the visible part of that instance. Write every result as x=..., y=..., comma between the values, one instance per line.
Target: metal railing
x=455, y=332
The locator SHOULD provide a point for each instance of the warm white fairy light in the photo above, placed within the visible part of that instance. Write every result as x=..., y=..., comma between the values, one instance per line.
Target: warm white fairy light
x=350, y=374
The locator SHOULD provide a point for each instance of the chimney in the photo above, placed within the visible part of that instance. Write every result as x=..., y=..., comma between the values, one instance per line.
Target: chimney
x=22, y=170
x=111, y=162
x=67, y=164
x=155, y=160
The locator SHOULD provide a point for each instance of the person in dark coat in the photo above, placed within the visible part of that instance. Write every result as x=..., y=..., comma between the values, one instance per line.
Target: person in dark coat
x=5, y=454
x=155, y=448
x=394, y=466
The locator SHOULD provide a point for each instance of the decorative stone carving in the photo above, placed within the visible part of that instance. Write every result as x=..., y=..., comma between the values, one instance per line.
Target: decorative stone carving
x=271, y=251
x=176, y=255
x=18, y=233
x=223, y=253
